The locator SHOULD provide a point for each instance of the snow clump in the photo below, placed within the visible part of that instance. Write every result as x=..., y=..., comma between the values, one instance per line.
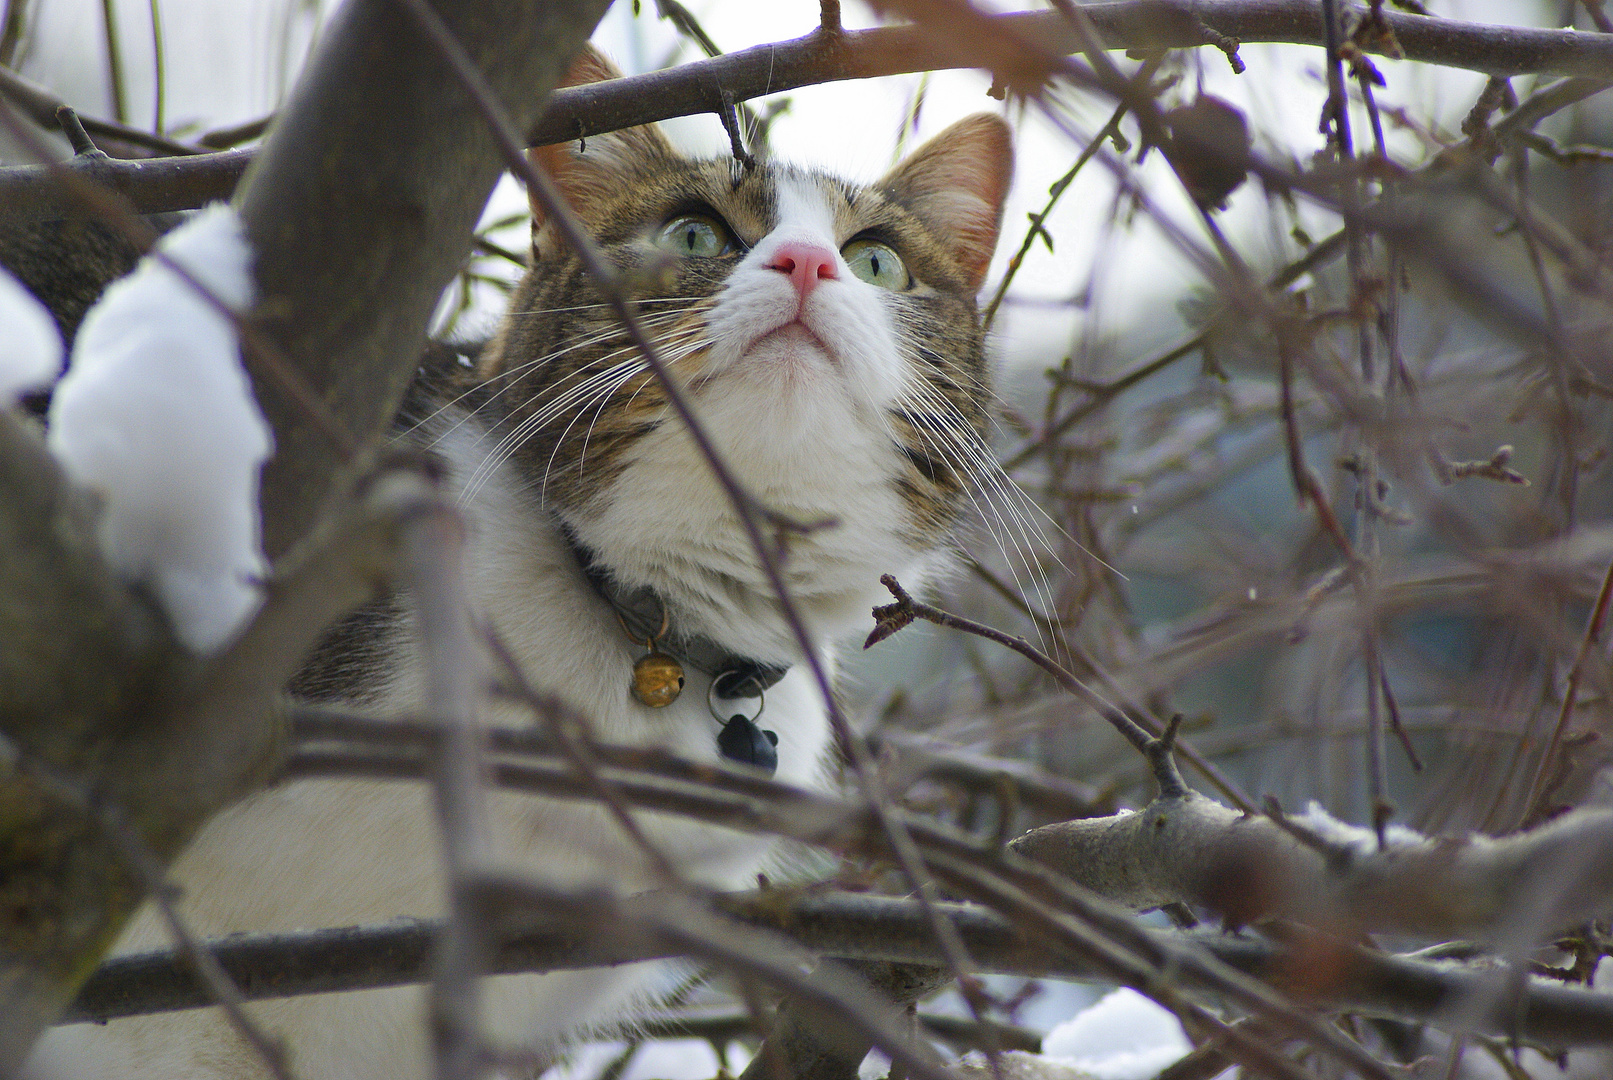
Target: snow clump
x=1123, y=1036
x=157, y=415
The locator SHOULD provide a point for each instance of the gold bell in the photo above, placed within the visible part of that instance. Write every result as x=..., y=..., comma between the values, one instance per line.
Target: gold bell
x=657, y=679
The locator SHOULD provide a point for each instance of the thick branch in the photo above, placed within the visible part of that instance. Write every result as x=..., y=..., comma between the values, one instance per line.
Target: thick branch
x=847, y=925
x=153, y=185
x=81, y=657
x=1193, y=850
x=361, y=206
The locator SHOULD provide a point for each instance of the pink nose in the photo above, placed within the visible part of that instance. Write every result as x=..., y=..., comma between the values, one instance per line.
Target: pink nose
x=806, y=265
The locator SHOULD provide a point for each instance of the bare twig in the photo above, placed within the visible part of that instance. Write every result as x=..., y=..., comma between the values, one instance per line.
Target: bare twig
x=829, y=17
x=1110, y=129
x=1534, y=808
x=893, y=617
x=41, y=104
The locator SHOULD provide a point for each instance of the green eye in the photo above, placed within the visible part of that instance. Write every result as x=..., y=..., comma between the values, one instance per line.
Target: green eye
x=876, y=264
x=694, y=234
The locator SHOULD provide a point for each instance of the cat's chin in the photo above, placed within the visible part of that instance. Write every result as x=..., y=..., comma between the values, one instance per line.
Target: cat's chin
x=795, y=344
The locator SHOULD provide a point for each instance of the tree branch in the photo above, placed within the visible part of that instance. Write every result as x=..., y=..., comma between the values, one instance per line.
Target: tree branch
x=1193, y=850
x=99, y=696
x=361, y=207
x=700, y=87
x=846, y=925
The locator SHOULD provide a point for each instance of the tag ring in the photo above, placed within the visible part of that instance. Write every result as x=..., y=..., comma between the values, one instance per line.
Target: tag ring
x=711, y=703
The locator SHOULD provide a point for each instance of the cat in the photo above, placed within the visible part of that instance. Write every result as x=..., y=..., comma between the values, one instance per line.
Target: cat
x=828, y=336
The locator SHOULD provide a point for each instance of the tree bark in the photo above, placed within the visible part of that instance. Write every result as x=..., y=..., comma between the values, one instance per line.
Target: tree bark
x=361, y=207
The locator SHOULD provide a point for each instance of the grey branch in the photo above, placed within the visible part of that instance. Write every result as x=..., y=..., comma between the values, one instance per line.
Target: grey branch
x=363, y=201
x=846, y=925
x=1196, y=851
x=700, y=87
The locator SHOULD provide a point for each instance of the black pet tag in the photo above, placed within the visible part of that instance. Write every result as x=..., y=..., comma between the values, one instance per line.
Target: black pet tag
x=742, y=741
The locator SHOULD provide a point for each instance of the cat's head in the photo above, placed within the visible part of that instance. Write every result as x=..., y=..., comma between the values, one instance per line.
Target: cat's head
x=817, y=324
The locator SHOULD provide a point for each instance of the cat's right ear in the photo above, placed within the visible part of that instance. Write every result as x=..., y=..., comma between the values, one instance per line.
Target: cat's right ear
x=591, y=171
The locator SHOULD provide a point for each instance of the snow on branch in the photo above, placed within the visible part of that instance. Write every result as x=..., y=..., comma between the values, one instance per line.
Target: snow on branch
x=32, y=354
x=156, y=415
x=1322, y=872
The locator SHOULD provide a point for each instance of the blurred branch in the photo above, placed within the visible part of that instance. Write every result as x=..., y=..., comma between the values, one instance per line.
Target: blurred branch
x=1157, y=747
x=433, y=568
x=40, y=105
x=1535, y=808
x=847, y=1010
x=848, y=925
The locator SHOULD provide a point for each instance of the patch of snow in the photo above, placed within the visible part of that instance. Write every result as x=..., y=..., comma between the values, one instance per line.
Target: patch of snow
x=32, y=353
x=1125, y=1036
x=156, y=415
x=1343, y=834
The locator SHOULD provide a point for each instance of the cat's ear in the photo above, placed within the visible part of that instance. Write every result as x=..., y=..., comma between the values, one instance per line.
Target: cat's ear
x=955, y=184
x=590, y=170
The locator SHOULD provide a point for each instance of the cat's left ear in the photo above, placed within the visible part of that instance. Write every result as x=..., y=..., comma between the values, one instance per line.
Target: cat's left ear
x=955, y=184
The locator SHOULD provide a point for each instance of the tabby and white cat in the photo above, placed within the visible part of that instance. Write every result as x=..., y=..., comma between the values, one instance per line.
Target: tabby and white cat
x=828, y=336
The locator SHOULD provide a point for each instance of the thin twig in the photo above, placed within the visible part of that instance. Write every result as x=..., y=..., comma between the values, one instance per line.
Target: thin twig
x=563, y=729
x=892, y=617
x=1055, y=192
x=159, y=71
x=1534, y=808
x=114, y=59
x=829, y=17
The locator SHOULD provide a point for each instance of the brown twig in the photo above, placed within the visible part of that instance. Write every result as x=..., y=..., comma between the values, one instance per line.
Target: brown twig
x=829, y=17
x=1534, y=808
x=893, y=617
x=768, y=69
x=1110, y=129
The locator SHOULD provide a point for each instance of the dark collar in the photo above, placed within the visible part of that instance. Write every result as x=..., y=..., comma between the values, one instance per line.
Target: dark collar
x=644, y=616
